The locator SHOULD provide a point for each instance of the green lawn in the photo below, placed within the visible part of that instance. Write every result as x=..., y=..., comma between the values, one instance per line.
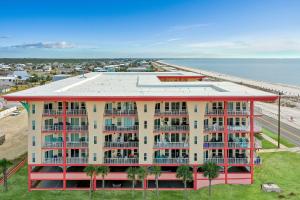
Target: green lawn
x=273, y=135
x=265, y=143
x=281, y=168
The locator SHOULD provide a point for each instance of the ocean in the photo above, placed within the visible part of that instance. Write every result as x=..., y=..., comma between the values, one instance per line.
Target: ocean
x=286, y=71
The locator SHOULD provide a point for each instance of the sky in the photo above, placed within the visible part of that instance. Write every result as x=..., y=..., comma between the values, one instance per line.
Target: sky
x=150, y=28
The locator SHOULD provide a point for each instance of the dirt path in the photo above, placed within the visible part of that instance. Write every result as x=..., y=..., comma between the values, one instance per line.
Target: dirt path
x=15, y=129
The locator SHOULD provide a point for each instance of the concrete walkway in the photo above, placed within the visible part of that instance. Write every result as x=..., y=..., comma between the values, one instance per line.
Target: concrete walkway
x=294, y=149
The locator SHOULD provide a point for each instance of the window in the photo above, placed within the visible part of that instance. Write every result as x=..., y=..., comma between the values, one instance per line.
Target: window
x=145, y=125
x=195, y=140
x=95, y=124
x=195, y=124
x=95, y=108
x=95, y=157
x=33, y=141
x=167, y=106
x=195, y=108
x=145, y=156
x=145, y=108
x=95, y=139
x=145, y=140
x=33, y=108
x=195, y=156
x=33, y=157
x=33, y=125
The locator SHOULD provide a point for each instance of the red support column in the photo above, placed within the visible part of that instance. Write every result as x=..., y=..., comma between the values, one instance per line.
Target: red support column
x=145, y=183
x=225, y=142
x=195, y=177
x=65, y=145
x=251, y=139
x=29, y=177
x=94, y=183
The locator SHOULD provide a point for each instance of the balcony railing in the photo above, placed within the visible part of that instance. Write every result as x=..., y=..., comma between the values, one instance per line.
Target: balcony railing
x=76, y=112
x=120, y=112
x=171, y=145
x=121, y=144
x=52, y=128
x=52, y=112
x=238, y=144
x=171, y=160
x=208, y=128
x=53, y=144
x=77, y=144
x=171, y=112
x=58, y=160
x=229, y=112
x=121, y=160
x=214, y=160
x=171, y=128
x=77, y=127
x=238, y=160
x=121, y=128
x=213, y=144
x=78, y=160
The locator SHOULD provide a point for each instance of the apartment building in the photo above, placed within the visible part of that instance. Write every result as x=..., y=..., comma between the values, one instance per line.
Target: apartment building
x=139, y=119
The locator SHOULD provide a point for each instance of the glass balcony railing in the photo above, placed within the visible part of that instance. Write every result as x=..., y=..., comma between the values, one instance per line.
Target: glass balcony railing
x=213, y=144
x=121, y=128
x=172, y=128
x=238, y=161
x=178, y=160
x=78, y=144
x=121, y=144
x=51, y=112
x=229, y=112
x=53, y=144
x=54, y=160
x=214, y=160
x=77, y=127
x=120, y=112
x=121, y=160
x=76, y=112
x=171, y=145
x=171, y=112
x=77, y=160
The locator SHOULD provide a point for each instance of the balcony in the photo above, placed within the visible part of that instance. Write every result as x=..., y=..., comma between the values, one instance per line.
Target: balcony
x=243, y=144
x=179, y=160
x=170, y=112
x=77, y=160
x=54, y=160
x=220, y=112
x=119, y=112
x=238, y=161
x=53, y=144
x=76, y=112
x=171, y=128
x=121, y=144
x=83, y=144
x=52, y=128
x=121, y=160
x=214, y=160
x=121, y=128
x=213, y=145
x=171, y=145
x=52, y=112
x=213, y=128
x=77, y=127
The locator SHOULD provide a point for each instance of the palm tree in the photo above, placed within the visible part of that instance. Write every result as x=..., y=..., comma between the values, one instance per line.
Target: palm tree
x=4, y=164
x=142, y=174
x=131, y=175
x=156, y=171
x=211, y=171
x=103, y=170
x=90, y=171
x=185, y=174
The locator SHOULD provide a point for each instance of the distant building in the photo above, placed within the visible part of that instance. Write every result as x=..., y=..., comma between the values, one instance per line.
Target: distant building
x=60, y=77
x=111, y=68
x=99, y=69
x=21, y=75
x=138, y=69
x=8, y=81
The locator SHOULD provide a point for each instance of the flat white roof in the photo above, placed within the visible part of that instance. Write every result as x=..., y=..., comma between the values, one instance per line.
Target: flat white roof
x=137, y=84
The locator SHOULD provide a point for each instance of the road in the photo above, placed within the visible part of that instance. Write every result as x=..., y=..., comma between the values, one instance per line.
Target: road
x=287, y=131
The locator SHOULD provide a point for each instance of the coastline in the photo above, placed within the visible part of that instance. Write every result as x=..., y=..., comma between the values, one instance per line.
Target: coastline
x=287, y=90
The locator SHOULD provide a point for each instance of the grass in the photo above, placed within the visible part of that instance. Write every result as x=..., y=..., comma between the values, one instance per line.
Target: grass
x=273, y=135
x=280, y=168
x=265, y=143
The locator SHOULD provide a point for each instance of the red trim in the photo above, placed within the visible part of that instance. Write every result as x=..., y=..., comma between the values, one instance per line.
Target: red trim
x=140, y=98
x=225, y=141
x=65, y=144
x=252, y=139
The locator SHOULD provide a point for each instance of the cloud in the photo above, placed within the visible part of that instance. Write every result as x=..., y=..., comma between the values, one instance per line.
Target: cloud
x=173, y=39
x=3, y=37
x=46, y=45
